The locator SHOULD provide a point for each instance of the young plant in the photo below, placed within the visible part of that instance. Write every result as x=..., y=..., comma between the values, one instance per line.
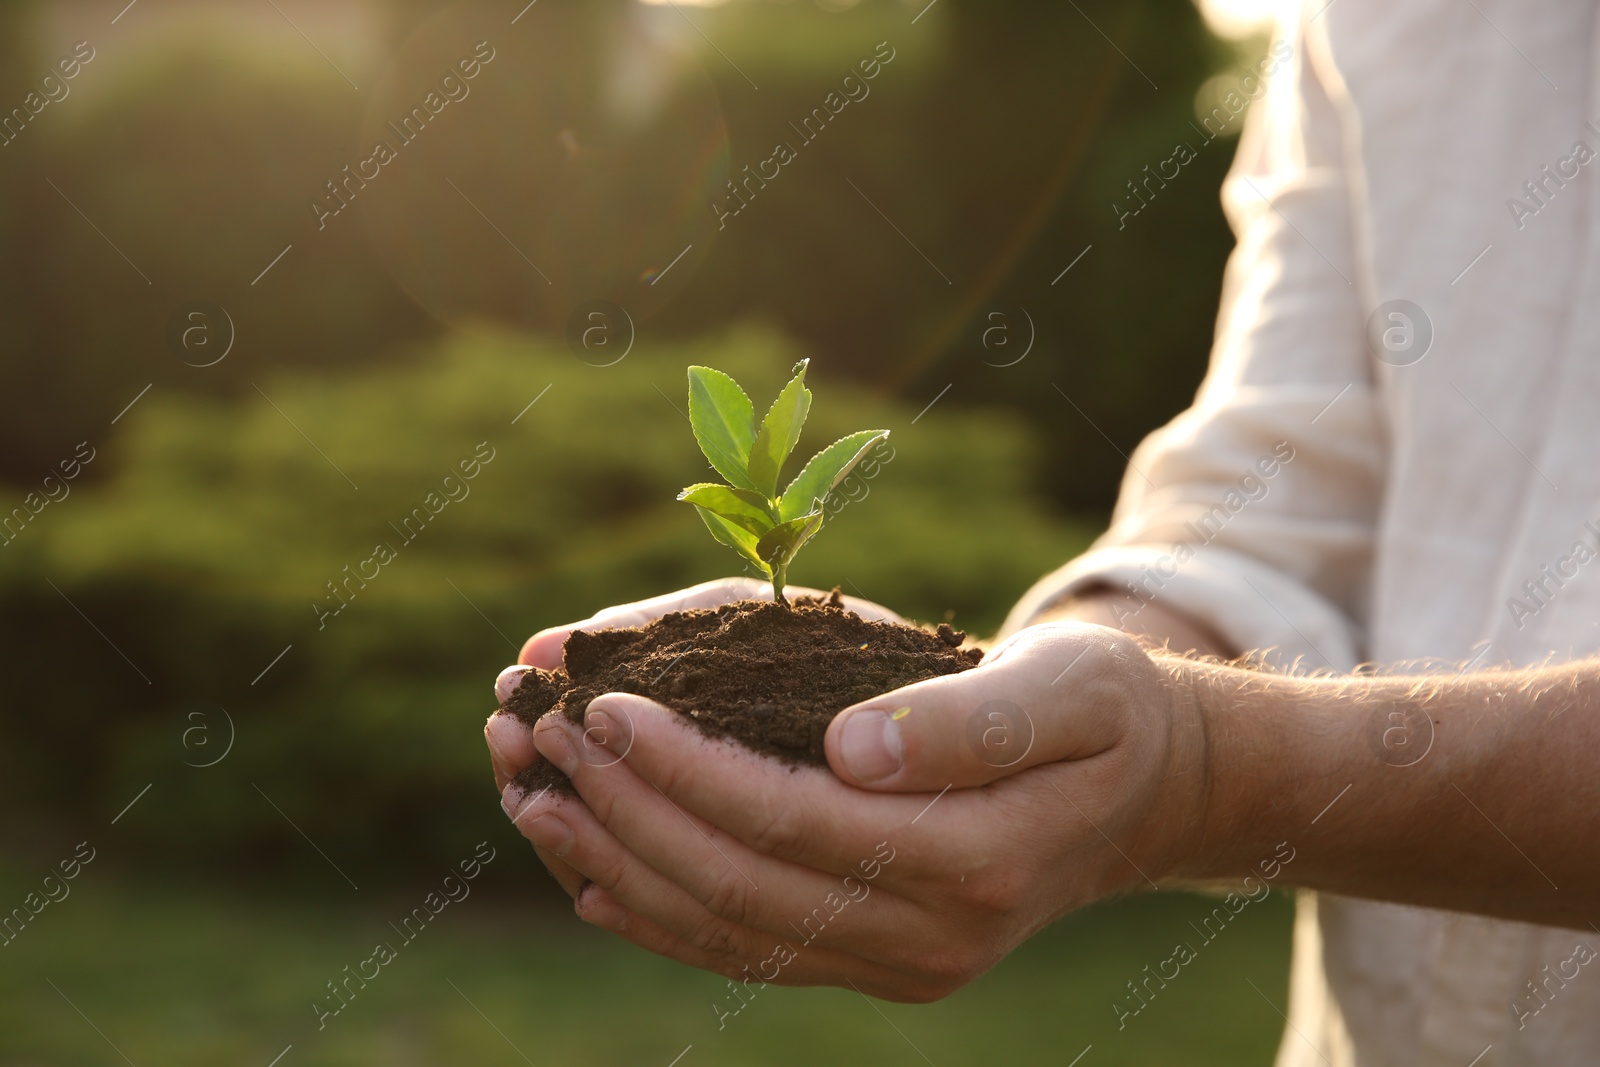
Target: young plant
x=748, y=514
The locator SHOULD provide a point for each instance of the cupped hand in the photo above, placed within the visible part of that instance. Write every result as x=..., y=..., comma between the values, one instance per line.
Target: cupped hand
x=511, y=744
x=962, y=814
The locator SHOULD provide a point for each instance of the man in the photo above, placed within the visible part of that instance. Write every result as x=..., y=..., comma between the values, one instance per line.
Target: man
x=1393, y=459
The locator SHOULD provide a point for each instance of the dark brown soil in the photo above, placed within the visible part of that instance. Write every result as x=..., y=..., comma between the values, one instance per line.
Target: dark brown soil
x=768, y=676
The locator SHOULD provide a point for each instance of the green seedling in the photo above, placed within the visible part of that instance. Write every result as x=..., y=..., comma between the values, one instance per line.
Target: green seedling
x=748, y=514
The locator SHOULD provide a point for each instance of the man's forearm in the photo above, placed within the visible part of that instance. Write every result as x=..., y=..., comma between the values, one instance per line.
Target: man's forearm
x=1474, y=793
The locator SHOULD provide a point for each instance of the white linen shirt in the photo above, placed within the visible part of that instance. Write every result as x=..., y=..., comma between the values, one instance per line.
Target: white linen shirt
x=1400, y=155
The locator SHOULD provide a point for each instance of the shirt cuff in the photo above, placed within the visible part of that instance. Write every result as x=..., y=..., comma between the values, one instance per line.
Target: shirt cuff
x=1251, y=605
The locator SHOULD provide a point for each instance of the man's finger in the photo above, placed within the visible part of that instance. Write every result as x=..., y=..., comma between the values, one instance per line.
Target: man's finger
x=638, y=828
x=576, y=840
x=801, y=814
x=570, y=881
x=1049, y=694
x=517, y=805
x=511, y=749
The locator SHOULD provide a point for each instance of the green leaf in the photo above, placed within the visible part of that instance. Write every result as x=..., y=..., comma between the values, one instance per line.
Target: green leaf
x=779, y=432
x=825, y=470
x=724, y=423
x=779, y=544
x=738, y=506
x=737, y=538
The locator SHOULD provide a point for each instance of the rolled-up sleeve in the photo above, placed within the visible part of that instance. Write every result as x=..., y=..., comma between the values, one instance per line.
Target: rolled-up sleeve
x=1254, y=511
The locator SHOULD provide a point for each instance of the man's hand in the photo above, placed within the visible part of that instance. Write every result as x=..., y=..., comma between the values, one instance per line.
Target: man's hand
x=1085, y=766
x=511, y=744
x=1066, y=767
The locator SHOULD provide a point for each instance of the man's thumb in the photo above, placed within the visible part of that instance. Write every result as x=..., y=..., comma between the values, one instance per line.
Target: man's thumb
x=1001, y=717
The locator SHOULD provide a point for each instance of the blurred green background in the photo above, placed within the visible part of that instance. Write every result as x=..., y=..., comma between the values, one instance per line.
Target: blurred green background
x=162, y=644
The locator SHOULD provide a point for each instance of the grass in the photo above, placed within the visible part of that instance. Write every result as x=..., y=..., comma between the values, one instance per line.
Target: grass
x=178, y=972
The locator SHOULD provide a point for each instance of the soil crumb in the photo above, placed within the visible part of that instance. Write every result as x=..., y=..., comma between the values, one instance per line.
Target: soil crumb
x=767, y=676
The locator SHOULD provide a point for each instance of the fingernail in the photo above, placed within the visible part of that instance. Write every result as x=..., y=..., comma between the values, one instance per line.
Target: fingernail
x=553, y=745
x=870, y=746
x=497, y=766
x=490, y=739
x=512, y=801
x=502, y=734
x=588, y=905
x=549, y=832
x=508, y=680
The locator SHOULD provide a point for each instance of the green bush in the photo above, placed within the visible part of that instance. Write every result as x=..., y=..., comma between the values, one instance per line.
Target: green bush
x=202, y=556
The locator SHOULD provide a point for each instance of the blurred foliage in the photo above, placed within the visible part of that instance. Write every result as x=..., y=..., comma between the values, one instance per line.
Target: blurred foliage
x=201, y=560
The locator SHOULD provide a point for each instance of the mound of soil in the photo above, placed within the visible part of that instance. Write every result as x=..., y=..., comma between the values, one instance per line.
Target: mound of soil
x=768, y=676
